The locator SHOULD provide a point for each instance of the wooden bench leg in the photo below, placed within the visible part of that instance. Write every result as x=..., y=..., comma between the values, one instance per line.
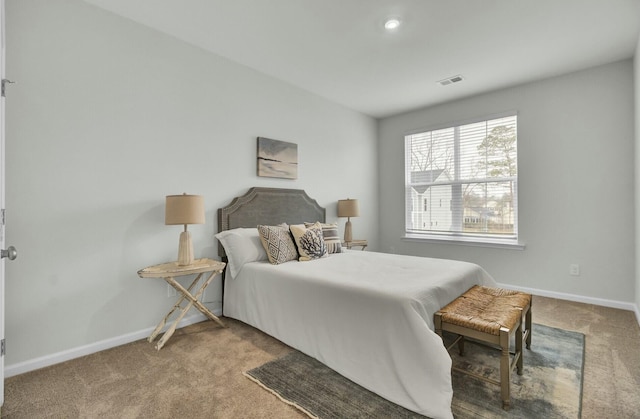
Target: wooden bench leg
x=519, y=355
x=528, y=325
x=437, y=323
x=461, y=345
x=505, y=369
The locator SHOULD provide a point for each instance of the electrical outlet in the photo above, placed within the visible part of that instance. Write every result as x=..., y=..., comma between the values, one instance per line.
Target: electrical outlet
x=574, y=269
x=171, y=292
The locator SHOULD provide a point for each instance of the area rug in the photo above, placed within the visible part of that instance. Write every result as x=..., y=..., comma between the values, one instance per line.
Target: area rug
x=551, y=386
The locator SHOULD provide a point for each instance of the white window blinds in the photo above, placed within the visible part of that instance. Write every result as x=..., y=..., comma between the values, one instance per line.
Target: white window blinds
x=462, y=181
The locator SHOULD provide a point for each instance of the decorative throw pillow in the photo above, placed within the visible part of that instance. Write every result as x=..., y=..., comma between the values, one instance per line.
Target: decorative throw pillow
x=309, y=241
x=331, y=237
x=277, y=241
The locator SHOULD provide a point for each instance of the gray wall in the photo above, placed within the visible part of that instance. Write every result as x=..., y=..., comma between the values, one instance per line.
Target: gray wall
x=576, y=187
x=107, y=117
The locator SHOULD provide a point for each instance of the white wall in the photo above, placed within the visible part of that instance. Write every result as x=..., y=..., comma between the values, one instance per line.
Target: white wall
x=576, y=193
x=106, y=118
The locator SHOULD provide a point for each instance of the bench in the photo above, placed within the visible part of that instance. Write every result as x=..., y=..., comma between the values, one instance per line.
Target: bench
x=492, y=316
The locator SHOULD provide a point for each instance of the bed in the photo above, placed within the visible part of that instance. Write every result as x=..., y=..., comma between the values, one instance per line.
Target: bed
x=366, y=315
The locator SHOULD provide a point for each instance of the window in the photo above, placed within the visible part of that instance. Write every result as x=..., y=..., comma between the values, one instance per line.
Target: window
x=474, y=167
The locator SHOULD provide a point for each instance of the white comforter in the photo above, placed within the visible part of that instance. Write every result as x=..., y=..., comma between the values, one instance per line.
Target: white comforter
x=366, y=315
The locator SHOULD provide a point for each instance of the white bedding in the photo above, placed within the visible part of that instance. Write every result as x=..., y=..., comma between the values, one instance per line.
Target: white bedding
x=368, y=316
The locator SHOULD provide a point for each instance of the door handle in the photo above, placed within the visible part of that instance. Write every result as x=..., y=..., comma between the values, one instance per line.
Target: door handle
x=10, y=253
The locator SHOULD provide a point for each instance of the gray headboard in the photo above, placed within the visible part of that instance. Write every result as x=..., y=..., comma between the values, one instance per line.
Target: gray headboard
x=269, y=206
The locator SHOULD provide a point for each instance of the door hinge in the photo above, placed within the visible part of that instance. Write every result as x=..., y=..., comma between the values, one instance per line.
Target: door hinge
x=4, y=82
x=2, y=211
x=2, y=347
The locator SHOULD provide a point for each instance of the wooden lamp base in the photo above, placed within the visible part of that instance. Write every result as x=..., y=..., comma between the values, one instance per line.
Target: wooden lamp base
x=348, y=237
x=185, y=250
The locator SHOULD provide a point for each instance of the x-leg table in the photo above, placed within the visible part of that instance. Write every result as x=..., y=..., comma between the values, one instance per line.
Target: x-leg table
x=168, y=272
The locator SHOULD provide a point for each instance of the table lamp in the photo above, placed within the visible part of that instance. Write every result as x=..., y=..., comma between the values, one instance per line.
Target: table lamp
x=348, y=208
x=184, y=209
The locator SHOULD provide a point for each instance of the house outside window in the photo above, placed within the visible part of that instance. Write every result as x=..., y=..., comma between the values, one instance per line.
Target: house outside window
x=474, y=167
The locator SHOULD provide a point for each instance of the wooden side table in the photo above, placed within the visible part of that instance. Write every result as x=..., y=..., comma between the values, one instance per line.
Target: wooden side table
x=355, y=243
x=168, y=272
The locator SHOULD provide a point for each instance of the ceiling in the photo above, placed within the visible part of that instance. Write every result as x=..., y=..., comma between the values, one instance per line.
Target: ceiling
x=339, y=49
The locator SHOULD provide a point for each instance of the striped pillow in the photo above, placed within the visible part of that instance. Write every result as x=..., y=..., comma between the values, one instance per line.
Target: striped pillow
x=331, y=237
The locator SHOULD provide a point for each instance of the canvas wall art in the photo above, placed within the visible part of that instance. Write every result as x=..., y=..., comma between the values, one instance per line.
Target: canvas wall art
x=277, y=158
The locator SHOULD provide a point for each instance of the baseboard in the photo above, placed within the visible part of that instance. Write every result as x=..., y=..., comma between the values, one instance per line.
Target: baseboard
x=578, y=298
x=45, y=361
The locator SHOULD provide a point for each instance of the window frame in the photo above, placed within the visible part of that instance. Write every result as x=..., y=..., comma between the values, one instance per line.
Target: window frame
x=459, y=237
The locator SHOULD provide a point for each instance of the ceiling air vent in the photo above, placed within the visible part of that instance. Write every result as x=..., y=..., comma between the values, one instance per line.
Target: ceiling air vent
x=451, y=80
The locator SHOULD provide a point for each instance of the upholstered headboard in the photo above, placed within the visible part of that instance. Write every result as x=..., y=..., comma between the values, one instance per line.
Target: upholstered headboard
x=269, y=206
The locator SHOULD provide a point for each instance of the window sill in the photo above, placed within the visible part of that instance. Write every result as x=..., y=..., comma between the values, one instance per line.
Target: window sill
x=466, y=241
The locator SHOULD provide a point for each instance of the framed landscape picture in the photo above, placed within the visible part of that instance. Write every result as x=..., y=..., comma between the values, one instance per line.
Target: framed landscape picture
x=277, y=159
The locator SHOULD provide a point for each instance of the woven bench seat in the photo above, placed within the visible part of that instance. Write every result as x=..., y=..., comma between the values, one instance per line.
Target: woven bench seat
x=493, y=316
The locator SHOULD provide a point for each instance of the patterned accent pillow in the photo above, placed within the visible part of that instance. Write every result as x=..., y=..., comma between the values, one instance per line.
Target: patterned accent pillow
x=309, y=241
x=331, y=237
x=277, y=241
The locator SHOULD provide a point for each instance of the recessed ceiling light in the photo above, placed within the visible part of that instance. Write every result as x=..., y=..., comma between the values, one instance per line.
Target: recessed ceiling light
x=391, y=24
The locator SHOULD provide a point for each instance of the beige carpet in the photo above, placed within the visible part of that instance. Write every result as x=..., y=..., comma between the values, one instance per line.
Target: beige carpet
x=198, y=373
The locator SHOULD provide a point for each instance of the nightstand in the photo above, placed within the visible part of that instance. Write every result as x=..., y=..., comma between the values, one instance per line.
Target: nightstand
x=168, y=272
x=355, y=243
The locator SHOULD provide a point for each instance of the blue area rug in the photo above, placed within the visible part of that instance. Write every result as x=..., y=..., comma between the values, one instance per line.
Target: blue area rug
x=551, y=386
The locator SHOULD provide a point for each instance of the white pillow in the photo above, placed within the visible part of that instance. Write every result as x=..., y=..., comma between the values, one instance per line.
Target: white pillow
x=242, y=245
